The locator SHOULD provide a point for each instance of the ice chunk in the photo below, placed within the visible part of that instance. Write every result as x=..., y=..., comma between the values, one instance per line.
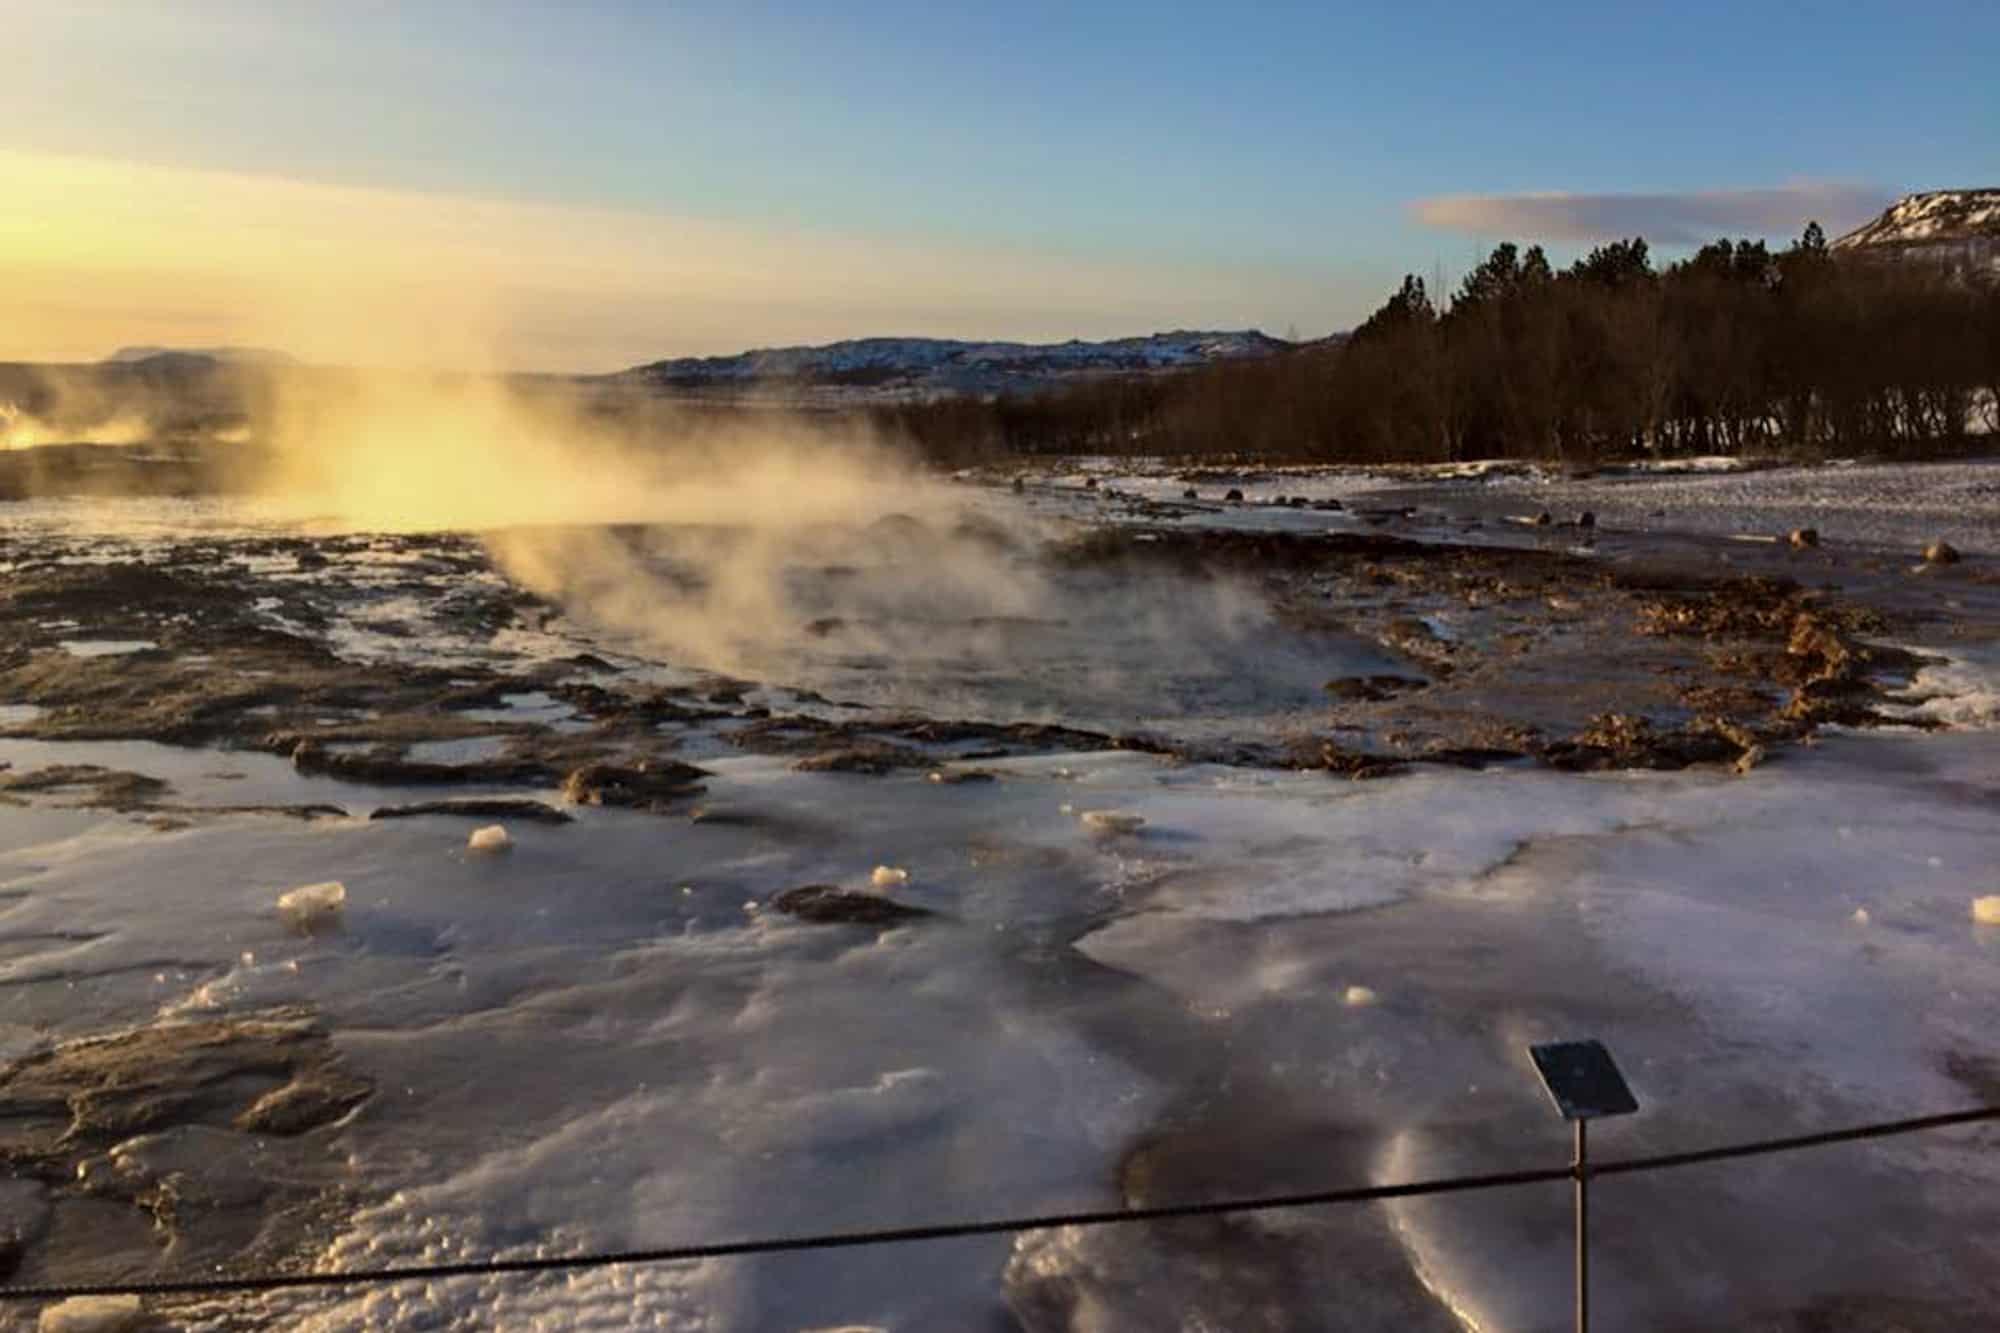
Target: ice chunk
x=1986, y=911
x=888, y=877
x=1110, y=823
x=490, y=840
x=1358, y=997
x=91, y=1314
x=313, y=907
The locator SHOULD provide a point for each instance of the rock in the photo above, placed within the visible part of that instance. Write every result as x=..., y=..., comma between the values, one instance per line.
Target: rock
x=1986, y=911
x=1371, y=689
x=953, y=777
x=826, y=904
x=643, y=786
x=875, y=760
x=1358, y=997
x=1586, y=519
x=313, y=909
x=888, y=877
x=313, y=1098
x=1941, y=553
x=1190, y=494
x=1234, y=496
x=1019, y=485
x=1090, y=483
x=1299, y=502
x=1545, y=519
x=1801, y=538
x=478, y=807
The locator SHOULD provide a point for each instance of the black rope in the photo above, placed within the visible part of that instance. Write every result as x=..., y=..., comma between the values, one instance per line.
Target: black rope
x=956, y=1230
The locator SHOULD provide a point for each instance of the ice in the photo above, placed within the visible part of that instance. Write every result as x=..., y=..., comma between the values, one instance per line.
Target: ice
x=312, y=908
x=489, y=840
x=92, y=1314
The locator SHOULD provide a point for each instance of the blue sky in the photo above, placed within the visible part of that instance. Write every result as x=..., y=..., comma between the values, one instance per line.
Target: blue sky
x=1293, y=144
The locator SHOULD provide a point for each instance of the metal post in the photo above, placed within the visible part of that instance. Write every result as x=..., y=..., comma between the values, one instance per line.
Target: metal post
x=1581, y=1170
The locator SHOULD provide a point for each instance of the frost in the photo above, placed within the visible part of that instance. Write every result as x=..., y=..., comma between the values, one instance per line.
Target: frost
x=490, y=840
x=91, y=1314
x=313, y=907
x=1986, y=911
x=888, y=877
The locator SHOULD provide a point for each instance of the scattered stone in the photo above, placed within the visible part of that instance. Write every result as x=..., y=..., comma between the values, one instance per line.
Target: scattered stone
x=312, y=757
x=1941, y=553
x=644, y=786
x=1625, y=740
x=1802, y=538
x=491, y=840
x=479, y=807
x=313, y=909
x=826, y=904
x=1111, y=823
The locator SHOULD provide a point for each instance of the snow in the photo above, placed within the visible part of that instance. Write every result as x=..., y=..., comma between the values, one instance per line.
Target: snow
x=92, y=1314
x=313, y=907
x=489, y=840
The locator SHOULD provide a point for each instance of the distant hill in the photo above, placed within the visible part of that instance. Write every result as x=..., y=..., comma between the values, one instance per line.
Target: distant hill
x=1960, y=228
x=937, y=366
x=236, y=356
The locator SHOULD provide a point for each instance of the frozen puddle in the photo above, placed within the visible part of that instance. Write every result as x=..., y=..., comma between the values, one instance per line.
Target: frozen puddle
x=592, y=1043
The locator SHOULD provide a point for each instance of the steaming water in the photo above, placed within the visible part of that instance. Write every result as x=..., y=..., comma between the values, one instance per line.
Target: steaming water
x=606, y=1039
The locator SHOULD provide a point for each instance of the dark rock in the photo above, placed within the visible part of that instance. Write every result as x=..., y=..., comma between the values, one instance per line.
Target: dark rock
x=1802, y=538
x=1371, y=689
x=1586, y=519
x=498, y=807
x=1544, y=519
x=1941, y=553
x=1234, y=496
x=827, y=905
x=645, y=786
x=872, y=759
x=1190, y=494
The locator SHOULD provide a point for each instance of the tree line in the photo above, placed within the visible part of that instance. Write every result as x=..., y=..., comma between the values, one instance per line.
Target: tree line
x=1737, y=349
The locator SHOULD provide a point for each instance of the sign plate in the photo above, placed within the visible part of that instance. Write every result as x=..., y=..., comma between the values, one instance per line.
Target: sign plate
x=1583, y=1079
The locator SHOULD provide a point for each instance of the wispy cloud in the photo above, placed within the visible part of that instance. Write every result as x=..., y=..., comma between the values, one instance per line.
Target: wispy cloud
x=1676, y=218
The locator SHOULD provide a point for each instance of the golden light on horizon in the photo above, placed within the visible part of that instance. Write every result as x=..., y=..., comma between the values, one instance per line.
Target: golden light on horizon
x=95, y=254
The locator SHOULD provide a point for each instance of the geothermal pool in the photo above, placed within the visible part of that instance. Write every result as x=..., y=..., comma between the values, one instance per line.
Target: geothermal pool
x=615, y=1035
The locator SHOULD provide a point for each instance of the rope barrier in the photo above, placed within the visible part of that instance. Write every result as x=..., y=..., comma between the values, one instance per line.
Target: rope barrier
x=956, y=1230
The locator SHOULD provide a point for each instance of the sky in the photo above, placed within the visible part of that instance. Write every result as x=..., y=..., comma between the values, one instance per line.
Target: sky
x=588, y=186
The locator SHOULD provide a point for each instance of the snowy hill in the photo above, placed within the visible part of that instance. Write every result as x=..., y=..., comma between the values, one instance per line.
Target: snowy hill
x=944, y=365
x=1956, y=227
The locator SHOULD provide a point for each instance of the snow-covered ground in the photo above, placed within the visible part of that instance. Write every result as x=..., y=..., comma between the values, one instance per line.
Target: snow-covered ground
x=1279, y=981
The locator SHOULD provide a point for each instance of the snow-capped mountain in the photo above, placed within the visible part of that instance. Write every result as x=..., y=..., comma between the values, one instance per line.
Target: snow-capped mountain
x=235, y=356
x=1956, y=227
x=945, y=365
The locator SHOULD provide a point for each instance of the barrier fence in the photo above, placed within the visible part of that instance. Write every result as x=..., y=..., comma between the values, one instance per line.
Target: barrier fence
x=1576, y=1171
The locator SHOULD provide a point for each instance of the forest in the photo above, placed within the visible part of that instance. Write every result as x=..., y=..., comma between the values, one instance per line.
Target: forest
x=1738, y=349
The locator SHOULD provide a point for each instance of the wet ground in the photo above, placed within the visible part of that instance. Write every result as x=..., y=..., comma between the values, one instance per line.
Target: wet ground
x=1052, y=848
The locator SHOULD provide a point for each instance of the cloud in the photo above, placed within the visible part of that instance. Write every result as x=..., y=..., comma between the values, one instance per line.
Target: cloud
x=1685, y=218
